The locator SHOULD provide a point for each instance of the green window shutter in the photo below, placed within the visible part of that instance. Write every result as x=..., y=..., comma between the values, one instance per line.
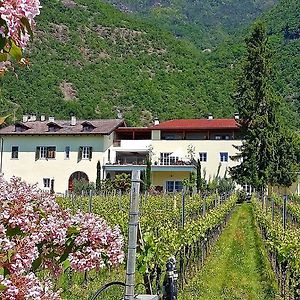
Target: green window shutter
x=90, y=153
x=79, y=154
x=37, y=153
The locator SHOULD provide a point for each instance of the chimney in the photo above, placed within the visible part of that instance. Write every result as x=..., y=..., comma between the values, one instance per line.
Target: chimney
x=236, y=116
x=25, y=118
x=51, y=119
x=120, y=115
x=32, y=118
x=43, y=118
x=210, y=117
x=156, y=121
x=73, y=121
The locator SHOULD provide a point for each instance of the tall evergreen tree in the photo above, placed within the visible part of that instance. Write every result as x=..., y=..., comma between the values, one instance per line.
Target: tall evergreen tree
x=198, y=179
x=261, y=130
x=98, y=177
x=148, y=174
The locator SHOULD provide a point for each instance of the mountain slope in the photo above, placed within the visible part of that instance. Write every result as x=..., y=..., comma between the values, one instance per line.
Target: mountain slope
x=90, y=59
x=204, y=22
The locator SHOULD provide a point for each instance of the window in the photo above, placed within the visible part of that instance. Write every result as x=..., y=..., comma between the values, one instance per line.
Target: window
x=85, y=152
x=15, y=152
x=87, y=126
x=46, y=182
x=53, y=127
x=173, y=186
x=166, y=159
x=67, y=152
x=203, y=156
x=223, y=156
x=43, y=152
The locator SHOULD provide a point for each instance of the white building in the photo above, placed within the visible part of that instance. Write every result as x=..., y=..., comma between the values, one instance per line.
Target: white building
x=53, y=153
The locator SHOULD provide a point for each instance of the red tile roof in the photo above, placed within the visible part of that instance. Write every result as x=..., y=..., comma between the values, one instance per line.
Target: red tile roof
x=194, y=124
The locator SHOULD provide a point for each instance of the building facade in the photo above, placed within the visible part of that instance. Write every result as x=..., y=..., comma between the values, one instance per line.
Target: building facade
x=54, y=153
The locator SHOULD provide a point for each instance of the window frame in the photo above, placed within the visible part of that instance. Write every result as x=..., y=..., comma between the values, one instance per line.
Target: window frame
x=48, y=181
x=14, y=152
x=85, y=153
x=224, y=157
x=203, y=155
x=176, y=186
x=166, y=160
x=67, y=152
x=45, y=152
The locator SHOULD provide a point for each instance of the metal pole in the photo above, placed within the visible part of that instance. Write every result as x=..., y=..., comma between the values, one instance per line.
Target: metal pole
x=1, y=156
x=132, y=235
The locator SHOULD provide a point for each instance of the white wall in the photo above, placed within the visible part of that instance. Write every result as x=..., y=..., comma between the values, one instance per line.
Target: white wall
x=59, y=168
x=212, y=147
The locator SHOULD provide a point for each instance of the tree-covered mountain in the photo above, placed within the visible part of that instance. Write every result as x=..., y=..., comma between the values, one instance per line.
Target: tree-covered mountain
x=90, y=59
x=204, y=22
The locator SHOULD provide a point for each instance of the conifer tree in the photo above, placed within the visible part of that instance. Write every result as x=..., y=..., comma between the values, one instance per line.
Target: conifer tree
x=148, y=174
x=98, y=178
x=265, y=144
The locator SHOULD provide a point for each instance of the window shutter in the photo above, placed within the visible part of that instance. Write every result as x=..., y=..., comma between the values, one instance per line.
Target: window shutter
x=37, y=153
x=79, y=154
x=90, y=153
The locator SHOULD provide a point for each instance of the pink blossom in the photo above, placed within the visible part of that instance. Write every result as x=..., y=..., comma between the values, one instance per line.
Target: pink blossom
x=35, y=232
x=12, y=12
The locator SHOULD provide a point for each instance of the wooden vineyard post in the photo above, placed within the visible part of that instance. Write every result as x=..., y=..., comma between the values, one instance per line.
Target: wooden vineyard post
x=284, y=211
x=182, y=252
x=90, y=201
x=273, y=207
x=132, y=235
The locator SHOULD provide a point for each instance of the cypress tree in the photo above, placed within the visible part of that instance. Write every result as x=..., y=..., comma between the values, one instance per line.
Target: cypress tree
x=148, y=174
x=265, y=143
x=198, y=180
x=98, y=178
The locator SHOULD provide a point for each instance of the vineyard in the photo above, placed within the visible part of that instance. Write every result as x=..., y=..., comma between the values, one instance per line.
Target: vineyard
x=250, y=248
x=164, y=232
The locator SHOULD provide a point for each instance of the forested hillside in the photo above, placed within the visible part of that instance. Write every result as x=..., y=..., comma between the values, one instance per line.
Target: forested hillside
x=90, y=59
x=204, y=22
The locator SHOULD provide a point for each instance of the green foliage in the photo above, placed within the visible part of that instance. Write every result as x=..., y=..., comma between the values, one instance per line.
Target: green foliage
x=200, y=182
x=83, y=186
x=269, y=151
x=148, y=181
x=91, y=59
x=98, y=178
x=238, y=266
x=190, y=183
x=204, y=22
x=122, y=182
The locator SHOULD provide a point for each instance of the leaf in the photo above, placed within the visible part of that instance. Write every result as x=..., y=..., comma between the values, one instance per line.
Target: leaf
x=14, y=231
x=3, y=287
x=2, y=42
x=26, y=24
x=66, y=264
x=3, y=57
x=37, y=263
x=15, y=51
x=73, y=230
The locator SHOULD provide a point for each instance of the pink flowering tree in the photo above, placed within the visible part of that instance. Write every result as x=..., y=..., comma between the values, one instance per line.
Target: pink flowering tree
x=16, y=24
x=37, y=234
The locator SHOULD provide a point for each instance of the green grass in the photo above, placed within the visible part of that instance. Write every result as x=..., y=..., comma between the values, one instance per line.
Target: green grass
x=238, y=267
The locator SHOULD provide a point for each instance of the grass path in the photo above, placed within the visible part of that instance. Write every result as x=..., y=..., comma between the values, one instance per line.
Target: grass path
x=238, y=267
